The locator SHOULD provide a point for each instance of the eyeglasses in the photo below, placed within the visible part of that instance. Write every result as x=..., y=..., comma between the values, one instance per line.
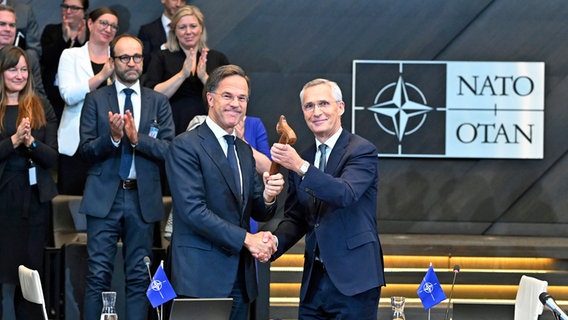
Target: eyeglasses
x=105, y=24
x=126, y=58
x=322, y=105
x=230, y=98
x=73, y=9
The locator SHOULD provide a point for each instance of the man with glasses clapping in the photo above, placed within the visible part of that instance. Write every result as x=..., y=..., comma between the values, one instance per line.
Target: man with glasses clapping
x=126, y=130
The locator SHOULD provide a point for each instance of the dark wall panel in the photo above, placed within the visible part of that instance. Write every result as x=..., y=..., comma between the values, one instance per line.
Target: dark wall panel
x=283, y=44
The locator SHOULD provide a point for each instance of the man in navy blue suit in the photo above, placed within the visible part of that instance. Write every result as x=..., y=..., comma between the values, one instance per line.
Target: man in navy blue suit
x=213, y=201
x=126, y=130
x=155, y=34
x=332, y=200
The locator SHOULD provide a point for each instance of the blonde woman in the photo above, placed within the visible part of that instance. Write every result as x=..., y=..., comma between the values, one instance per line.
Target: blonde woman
x=180, y=71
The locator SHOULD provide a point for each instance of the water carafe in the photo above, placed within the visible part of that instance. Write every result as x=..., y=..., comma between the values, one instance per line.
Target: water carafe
x=397, y=304
x=109, y=309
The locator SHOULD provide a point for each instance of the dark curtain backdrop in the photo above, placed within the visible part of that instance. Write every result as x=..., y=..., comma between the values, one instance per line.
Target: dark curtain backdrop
x=282, y=44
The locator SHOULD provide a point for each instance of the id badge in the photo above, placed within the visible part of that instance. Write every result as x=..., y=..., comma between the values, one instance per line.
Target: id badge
x=32, y=176
x=154, y=129
x=153, y=132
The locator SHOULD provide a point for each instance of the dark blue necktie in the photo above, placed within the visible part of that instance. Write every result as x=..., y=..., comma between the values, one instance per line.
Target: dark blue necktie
x=233, y=160
x=126, y=156
x=322, y=148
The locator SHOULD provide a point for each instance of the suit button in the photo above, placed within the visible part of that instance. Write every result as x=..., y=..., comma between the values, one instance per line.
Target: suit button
x=316, y=225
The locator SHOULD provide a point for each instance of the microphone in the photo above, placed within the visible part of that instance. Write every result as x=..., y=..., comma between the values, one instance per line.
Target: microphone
x=147, y=262
x=548, y=301
x=456, y=271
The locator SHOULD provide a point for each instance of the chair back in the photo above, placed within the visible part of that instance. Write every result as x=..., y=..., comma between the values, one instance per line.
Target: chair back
x=31, y=287
x=527, y=303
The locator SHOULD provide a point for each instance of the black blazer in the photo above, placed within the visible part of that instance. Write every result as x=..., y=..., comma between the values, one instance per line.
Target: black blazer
x=152, y=36
x=44, y=155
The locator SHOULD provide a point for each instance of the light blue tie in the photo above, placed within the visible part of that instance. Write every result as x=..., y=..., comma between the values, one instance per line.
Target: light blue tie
x=126, y=155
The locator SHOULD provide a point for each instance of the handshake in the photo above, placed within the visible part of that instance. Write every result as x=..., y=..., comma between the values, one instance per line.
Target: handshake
x=261, y=245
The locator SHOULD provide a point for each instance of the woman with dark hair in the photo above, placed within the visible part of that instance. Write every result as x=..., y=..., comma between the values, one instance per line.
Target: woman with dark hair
x=71, y=32
x=28, y=149
x=180, y=71
x=82, y=70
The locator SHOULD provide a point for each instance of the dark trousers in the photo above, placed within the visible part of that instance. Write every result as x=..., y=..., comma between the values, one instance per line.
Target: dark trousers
x=324, y=301
x=123, y=222
x=241, y=302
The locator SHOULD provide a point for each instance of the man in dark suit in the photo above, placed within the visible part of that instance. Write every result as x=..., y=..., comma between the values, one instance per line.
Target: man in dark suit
x=122, y=197
x=8, y=35
x=155, y=33
x=28, y=32
x=212, y=247
x=334, y=205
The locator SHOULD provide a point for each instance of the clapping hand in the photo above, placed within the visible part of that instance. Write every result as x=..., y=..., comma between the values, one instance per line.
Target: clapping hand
x=116, y=123
x=201, y=70
x=130, y=128
x=189, y=65
x=23, y=134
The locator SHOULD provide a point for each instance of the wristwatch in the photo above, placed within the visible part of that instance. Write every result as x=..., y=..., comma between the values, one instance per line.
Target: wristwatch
x=304, y=168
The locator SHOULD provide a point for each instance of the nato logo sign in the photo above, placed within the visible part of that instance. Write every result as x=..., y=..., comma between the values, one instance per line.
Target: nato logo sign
x=450, y=109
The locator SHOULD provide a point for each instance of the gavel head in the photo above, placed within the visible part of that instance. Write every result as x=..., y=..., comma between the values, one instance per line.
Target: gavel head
x=287, y=135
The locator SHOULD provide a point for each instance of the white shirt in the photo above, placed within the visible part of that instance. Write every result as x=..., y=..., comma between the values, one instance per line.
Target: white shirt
x=330, y=143
x=220, y=135
x=136, y=108
x=166, y=25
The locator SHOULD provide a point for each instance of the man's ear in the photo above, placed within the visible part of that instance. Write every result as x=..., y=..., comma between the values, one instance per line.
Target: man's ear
x=341, y=106
x=209, y=98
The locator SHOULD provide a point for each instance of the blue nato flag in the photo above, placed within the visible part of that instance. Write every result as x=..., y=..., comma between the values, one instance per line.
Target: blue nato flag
x=430, y=291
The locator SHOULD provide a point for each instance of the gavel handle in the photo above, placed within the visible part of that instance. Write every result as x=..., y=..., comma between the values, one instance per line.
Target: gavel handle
x=275, y=167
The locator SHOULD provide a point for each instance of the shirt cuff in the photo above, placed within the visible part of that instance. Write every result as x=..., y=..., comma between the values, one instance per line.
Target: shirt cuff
x=116, y=144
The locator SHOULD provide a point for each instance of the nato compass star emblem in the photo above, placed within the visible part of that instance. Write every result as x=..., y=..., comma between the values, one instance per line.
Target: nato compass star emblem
x=400, y=102
x=428, y=287
x=157, y=286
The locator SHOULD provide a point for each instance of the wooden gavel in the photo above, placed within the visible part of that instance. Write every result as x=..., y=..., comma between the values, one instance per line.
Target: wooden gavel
x=287, y=136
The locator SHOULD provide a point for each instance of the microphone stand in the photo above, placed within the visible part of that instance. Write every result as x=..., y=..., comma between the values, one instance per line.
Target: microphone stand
x=456, y=270
x=150, y=276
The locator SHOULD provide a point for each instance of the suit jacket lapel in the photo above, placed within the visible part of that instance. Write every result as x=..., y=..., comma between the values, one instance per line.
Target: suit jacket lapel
x=85, y=60
x=144, y=112
x=212, y=147
x=337, y=152
x=113, y=99
x=246, y=168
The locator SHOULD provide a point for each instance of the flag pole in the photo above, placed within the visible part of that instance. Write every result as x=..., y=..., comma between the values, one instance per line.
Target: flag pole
x=152, y=279
x=430, y=309
x=161, y=314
